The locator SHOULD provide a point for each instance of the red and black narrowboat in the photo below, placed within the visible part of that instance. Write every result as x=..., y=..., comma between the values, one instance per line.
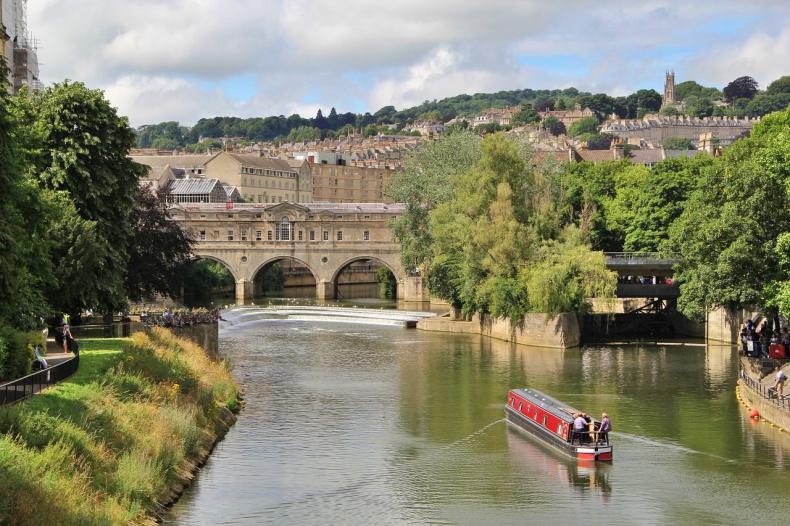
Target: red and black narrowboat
x=552, y=421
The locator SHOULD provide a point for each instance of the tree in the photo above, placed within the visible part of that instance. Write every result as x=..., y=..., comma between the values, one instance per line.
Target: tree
x=648, y=201
x=561, y=105
x=741, y=88
x=554, y=126
x=731, y=227
x=158, y=248
x=585, y=125
x=697, y=106
x=424, y=183
x=545, y=104
x=780, y=85
x=598, y=141
x=304, y=134
x=648, y=100
x=691, y=88
x=496, y=241
x=79, y=145
x=678, y=143
x=765, y=103
x=527, y=115
x=320, y=121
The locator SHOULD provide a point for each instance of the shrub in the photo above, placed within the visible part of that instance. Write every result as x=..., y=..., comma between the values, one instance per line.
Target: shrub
x=16, y=355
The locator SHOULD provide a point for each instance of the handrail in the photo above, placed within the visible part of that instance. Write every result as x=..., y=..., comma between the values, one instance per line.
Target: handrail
x=25, y=387
x=763, y=391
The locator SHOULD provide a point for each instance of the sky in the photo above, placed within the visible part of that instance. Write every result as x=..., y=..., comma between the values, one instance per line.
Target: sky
x=181, y=60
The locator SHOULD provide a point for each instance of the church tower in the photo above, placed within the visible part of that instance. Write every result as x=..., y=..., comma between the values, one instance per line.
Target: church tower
x=669, y=89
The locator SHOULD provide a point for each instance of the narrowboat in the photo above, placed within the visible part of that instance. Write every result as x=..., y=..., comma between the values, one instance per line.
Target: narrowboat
x=552, y=421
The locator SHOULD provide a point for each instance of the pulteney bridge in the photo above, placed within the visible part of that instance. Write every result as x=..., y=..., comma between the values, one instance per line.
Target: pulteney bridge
x=323, y=237
x=327, y=237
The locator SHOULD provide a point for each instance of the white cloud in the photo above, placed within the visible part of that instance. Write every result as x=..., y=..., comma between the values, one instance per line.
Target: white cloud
x=763, y=56
x=155, y=58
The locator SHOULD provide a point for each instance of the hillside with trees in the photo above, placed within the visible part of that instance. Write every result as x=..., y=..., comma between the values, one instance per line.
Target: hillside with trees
x=740, y=98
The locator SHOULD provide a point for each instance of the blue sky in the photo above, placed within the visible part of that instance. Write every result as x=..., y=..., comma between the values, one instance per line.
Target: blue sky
x=186, y=59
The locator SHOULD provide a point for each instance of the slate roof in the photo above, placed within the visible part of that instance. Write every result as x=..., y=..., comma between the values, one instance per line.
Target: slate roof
x=268, y=163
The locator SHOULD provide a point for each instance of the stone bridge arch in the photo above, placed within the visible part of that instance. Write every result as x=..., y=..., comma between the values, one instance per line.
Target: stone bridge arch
x=262, y=262
x=391, y=261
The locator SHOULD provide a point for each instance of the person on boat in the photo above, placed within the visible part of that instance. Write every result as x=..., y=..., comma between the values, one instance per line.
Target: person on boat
x=603, y=430
x=579, y=427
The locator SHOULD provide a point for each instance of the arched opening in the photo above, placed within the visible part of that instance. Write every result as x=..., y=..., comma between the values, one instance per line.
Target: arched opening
x=366, y=278
x=207, y=282
x=283, y=277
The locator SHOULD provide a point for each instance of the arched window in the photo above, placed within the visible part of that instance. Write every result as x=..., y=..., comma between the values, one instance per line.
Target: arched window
x=284, y=230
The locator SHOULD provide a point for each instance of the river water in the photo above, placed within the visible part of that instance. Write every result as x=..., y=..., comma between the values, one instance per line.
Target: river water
x=361, y=424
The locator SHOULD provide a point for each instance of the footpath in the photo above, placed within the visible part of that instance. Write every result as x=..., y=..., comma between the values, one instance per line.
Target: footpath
x=754, y=390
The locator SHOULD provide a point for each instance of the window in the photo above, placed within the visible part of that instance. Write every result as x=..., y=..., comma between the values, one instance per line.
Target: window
x=284, y=230
x=326, y=235
x=202, y=235
x=244, y=234
x=521, y=406
x=300, y=235
x=258, y=235
x=312, y=235
x=366, y=236
x=544, y=421
x=230, y=234
x=365, y=217
x=340, y=235
x=269, y=235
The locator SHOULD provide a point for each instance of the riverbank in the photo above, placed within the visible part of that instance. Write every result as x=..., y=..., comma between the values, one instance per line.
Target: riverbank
x=748, y=394
x=536, y=330
x=117, y=442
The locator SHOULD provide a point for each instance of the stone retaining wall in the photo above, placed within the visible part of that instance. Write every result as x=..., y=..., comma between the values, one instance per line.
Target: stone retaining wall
x=756, y=370
x=559, y=332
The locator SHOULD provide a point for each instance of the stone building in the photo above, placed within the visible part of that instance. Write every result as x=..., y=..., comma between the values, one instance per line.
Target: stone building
x=669, y=98
x=165, y=168
x=652, y=130
x=334, y=183
x=568, y=117
x=262, y=179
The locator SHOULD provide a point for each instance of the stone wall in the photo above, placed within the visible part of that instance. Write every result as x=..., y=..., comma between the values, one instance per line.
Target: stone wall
x=559, y=332
x=724, y=325
x=768, y=410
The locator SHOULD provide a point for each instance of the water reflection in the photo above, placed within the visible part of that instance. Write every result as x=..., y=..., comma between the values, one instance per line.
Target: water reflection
x=528, y=454
x=348, y=424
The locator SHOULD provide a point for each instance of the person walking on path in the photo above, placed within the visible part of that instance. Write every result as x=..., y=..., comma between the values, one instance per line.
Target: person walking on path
x=67, y=336
x=781, y=378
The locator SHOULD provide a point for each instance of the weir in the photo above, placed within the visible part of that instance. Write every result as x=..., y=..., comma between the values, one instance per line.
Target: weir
x=242, y=316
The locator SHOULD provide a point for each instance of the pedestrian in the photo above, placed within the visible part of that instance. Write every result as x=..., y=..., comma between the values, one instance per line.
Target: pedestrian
x=603, y=431
x=66, y=337
x=781, y=378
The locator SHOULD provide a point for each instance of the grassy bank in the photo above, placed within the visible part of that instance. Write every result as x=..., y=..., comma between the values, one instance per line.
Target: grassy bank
x=109, y=444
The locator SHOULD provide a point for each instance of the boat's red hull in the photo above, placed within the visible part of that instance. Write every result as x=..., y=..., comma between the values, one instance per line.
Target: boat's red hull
x=538, y=421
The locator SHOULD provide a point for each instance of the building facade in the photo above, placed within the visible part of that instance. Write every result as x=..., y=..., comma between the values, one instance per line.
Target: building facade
x=652, y=130
x=19, y=47
x=568, y=117
x=334, y=183
x=262, y=179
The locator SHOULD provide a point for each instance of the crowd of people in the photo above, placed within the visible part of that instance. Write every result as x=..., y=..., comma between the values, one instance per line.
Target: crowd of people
x=180, y=318
x=756, y=341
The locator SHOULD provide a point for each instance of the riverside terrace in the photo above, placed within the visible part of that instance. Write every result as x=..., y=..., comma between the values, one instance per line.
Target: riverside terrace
x=327, y=237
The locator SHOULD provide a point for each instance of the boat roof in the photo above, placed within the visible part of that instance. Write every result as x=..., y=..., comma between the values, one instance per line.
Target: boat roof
x=548, y=403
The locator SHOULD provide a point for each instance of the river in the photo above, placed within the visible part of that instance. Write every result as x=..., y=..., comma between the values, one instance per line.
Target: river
x=362, y=424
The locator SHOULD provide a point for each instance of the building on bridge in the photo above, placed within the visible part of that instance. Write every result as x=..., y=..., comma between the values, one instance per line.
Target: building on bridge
x=325, y=238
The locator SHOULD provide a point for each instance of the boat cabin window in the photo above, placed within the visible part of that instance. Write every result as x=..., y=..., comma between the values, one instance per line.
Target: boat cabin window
x=559, y=428
x=521, y=406
x=544, y=421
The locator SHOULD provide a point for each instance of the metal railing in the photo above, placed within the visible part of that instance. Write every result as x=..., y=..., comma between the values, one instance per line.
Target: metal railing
x=768, y=393
x=33, y=383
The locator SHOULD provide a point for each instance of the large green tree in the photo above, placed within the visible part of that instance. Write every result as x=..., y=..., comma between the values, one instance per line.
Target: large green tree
x=730, y=232
x=76, y=143
x=425, y=182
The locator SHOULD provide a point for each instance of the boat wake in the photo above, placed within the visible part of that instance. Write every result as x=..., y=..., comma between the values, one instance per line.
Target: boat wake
x=471, y=436
x=669, y=445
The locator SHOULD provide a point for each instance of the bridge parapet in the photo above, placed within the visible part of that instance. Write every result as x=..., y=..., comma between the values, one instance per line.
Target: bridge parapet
x=640, y=263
